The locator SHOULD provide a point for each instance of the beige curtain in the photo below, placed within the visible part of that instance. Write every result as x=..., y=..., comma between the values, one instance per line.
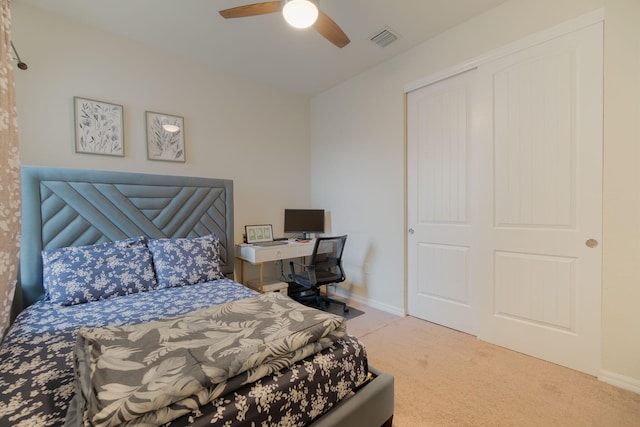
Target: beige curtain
x=9, y=174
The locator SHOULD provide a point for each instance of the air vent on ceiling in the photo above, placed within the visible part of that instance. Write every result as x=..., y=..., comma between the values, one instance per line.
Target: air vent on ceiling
x=384, y=37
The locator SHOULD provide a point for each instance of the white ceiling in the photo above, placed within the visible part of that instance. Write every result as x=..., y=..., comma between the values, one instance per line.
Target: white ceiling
x=265, y=48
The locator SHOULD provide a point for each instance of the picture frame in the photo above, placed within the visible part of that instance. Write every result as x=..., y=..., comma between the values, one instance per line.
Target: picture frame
x=165, y=137
x=99, y=127
x=259, y=233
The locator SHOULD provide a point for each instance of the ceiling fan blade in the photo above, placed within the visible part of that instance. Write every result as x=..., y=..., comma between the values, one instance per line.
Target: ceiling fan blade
x=251, y=9
x=330, y=30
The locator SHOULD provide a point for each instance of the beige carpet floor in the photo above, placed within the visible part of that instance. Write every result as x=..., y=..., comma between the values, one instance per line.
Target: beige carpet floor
x=447, y=378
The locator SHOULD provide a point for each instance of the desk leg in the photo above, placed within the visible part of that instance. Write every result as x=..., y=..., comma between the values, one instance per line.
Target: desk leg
x=241, y=274
x=262, y=277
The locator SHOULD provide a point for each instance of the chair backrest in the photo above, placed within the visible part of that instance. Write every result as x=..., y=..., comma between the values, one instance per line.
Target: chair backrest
x=327, y=256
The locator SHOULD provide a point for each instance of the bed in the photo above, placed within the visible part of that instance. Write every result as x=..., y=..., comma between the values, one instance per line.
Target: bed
x=55, y=344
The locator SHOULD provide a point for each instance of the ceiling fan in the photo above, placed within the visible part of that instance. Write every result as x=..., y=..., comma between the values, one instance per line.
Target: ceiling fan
x=298, y=13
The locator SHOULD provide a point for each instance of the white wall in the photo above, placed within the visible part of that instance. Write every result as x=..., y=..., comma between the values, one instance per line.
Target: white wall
x=358, y=160
x=234, y=128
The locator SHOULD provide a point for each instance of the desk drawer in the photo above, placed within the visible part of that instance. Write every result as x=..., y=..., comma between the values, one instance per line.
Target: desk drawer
x=276, y=253
x=258, y=254
x=266, y=254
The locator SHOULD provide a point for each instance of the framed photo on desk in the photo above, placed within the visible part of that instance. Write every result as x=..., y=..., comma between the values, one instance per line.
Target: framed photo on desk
x=259, y=233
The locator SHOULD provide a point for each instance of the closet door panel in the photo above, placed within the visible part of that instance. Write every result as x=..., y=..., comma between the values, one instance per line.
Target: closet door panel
x=442, y=242
x=540, y=257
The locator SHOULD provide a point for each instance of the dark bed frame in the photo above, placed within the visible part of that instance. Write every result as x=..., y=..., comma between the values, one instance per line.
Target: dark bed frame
x=73, y=207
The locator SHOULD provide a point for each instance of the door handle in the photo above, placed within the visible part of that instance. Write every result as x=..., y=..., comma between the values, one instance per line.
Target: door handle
x=591, y=243
x=411, y=231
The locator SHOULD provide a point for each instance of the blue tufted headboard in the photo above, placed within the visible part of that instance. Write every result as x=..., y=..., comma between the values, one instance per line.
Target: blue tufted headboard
x=74, y=207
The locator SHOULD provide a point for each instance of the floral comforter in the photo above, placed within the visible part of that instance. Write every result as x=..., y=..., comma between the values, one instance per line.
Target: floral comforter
x=132, y=375
x=37, y=375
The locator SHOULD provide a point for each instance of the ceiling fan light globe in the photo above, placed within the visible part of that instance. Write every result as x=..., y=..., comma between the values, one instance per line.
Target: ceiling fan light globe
x=300, y=13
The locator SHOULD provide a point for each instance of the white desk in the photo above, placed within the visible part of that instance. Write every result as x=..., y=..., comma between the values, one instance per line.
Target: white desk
x=258, y=255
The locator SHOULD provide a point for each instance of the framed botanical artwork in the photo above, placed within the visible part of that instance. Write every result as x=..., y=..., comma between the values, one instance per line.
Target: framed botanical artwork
x=259, y=233
x=99, y=127
x=165, y=137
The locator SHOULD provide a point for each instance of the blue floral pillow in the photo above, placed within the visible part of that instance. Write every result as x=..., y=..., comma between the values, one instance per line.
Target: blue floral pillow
x=181, y=262
x=78, y=274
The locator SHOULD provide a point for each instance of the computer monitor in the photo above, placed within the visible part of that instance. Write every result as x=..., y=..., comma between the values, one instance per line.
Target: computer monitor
x=304, y=221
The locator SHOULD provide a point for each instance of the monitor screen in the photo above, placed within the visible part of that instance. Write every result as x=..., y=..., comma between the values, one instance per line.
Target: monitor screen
x=304, y=221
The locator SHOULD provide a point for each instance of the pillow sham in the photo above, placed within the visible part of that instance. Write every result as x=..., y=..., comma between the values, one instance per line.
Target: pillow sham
x=185, y=261
x=79, y=274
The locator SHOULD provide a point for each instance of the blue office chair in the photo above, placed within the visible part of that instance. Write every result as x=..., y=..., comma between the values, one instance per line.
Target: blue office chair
x=324, y=268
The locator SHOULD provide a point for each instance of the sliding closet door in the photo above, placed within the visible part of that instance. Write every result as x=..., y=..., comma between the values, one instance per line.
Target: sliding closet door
x=443, y=235
x=541, y=176
x=504, y=198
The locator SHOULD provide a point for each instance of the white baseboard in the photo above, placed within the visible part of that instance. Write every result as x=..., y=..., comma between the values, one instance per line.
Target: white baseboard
x=375, y=304
x=622, y=381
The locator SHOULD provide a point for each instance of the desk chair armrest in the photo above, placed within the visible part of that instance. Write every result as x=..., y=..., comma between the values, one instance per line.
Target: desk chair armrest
x=311, y=271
